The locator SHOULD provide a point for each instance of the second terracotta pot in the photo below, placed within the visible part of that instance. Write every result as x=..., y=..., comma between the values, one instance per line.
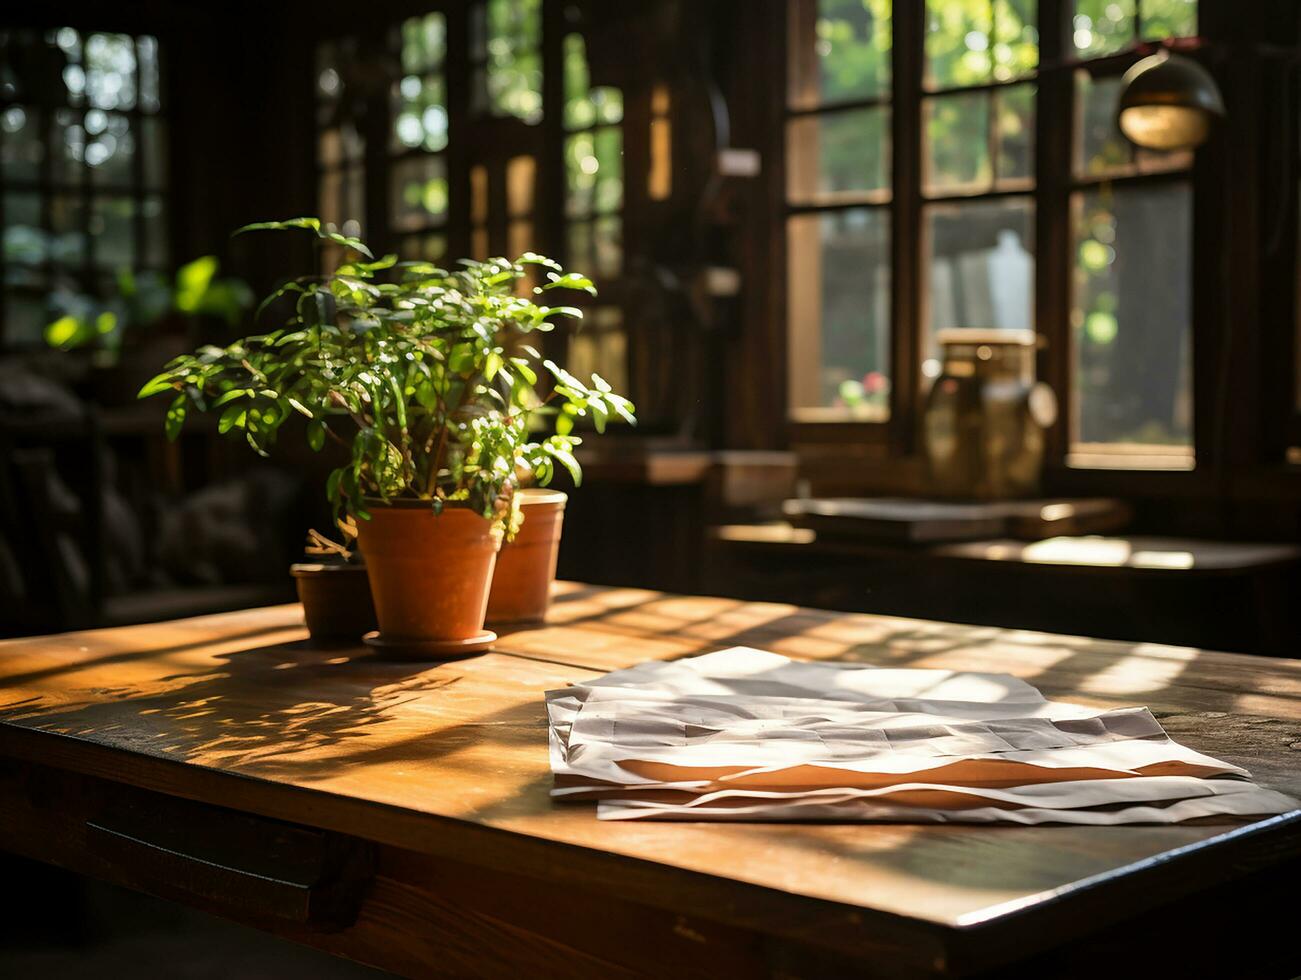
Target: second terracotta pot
x=336, y=600
x=526, y=567
x=429, y=576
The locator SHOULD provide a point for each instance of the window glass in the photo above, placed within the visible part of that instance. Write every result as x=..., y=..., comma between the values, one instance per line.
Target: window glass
x=593, y=168
x=1131, y=316
x=839, y=289
x=979, y=267
x=83, y=162
x=839, y=192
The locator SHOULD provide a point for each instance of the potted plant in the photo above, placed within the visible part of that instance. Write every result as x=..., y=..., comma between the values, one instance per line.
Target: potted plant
x=333, y=589
x=425, y=378
x=526, y=566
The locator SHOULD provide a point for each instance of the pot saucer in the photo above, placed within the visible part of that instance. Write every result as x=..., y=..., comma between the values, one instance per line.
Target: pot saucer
x=412, y=649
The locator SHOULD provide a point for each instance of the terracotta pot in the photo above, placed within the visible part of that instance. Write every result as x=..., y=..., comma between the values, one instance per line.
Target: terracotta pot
x=336, y=600
x=526, y=567
x=429, y=574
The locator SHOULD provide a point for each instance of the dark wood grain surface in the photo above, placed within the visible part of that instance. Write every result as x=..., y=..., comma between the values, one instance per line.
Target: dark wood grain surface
x=450, y=761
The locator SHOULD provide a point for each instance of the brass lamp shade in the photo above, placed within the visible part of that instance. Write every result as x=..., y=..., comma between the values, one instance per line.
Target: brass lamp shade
x=1168, y=102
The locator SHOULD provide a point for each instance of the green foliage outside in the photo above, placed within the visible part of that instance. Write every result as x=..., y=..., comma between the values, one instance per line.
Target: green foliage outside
x=142, y=300
x=422, y=374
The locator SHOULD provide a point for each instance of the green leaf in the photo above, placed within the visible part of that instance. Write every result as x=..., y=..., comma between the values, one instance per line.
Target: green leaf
x=175, y=417
x=158, y=383
x=316, y=435
x=192, y=282
x=230, y=396
x=571, y=280
x=566, y=459
x=532, y=258
x=353, y=243
x=233, y=417
x=64, y=331
x=312, y=223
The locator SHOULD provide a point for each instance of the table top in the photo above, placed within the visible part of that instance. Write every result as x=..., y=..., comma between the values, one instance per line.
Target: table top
x=240, y=710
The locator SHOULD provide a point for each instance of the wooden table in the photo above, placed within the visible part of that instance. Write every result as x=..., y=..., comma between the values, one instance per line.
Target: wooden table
x=398, y=813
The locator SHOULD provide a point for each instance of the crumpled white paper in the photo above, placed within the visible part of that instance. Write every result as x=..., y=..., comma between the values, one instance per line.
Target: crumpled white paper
x=744, y=734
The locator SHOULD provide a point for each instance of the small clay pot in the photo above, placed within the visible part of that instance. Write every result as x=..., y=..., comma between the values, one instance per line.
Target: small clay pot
x=336, y=600
x=526, y=567
x=429, y=575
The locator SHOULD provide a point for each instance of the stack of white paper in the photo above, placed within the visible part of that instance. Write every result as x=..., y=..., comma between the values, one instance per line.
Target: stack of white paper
x=743, y=734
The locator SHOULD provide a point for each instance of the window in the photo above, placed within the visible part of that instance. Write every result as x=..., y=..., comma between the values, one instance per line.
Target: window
x=83, y=167
x=978, y=168
x=594, y=186
x=506, y=59
x=418, y=184
x=1131, y=217
x=838, y=192
x=593, y=167
x=914, y=200
x=341, y=148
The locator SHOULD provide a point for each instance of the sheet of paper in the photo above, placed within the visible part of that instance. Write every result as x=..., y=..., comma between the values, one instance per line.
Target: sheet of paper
x=744, y=734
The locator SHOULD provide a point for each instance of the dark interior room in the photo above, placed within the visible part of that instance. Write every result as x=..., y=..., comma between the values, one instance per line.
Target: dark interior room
x=704, y=488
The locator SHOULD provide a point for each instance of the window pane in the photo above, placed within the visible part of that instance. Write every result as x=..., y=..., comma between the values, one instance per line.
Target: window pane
x=1169, y=18
x=156, y=244
x=1131, y=316
x=581, y=166
x=112, y=227
x=1016, y=38
x=424, y=43
x=21, y=144
x=110, y=71
x=419, y=192
x=839, y=316
x=608, y=146
x=147, y=71
x=957, y=143
x=608, y=245
x=958, y=43
x=1014, y=110
x=153, y=138
x=420, y=114
x=25, y=319
x=979, y=267
x=110, y=148
x=578, y=250
x=68, y=239
x=69, y=144
x=514, y=76
x=1099, y=146
x=850, y=57
x=1102, y=26
x=586, y=106
x=833, y=154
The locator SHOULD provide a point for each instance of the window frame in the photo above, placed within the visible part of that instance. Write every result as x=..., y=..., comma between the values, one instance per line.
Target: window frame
x=137, y=187
x=1051, y=191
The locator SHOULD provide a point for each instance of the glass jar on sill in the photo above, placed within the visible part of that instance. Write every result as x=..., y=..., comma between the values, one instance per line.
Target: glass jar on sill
x=986, y=416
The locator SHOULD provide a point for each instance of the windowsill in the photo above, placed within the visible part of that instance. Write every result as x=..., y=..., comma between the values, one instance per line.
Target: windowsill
x=1130, y=456
x=833, y=415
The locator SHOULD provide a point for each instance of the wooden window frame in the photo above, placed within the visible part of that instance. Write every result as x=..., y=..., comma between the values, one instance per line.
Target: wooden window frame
x=1054, y=185
x=84, y=189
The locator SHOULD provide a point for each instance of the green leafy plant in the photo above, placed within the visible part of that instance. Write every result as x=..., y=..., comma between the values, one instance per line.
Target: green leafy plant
x=425, y=375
